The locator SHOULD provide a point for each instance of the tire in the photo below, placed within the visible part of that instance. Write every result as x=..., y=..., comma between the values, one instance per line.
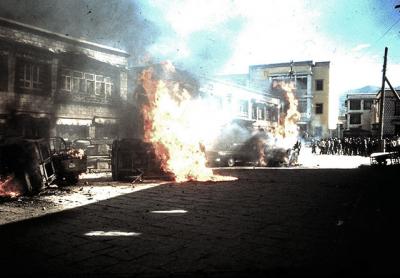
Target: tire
x=230, y=162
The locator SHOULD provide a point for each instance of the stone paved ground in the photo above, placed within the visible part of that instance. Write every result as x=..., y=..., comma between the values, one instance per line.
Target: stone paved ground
x=278, y=222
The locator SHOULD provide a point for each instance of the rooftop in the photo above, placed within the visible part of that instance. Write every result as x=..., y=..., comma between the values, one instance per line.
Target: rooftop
x=40, y=31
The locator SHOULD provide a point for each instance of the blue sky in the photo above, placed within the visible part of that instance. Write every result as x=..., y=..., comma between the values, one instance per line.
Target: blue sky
x=226, y=36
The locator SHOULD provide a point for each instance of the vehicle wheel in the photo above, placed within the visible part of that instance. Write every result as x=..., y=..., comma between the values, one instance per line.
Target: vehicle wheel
x=72, y=179
x=231, y=162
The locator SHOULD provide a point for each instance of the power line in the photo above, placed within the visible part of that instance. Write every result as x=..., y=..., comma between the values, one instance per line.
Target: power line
x=387, y=31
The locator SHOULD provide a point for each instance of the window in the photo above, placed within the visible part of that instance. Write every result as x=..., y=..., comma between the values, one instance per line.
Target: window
x=367, y=104
x=319, y=85
x=397, y=108
x=254, y=111
x=260, y=112
x=319, y=108
x=355, y=104
x=272, y=113
x=244, y=108
x=87, y=83
x=302, y=107
x=301, y=83
x=66, y=80
x=32, y=76
x=3, y=73
x=355, y=119
x=100, y=89
x=109, y=86
x=76, y=81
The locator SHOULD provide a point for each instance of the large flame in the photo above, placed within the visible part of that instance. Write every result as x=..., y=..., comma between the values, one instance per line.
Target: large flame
x=9, y=187
x=177, y=126
x=287, y=132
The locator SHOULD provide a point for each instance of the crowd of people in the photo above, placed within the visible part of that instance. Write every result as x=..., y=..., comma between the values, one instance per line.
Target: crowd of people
x=362, y=146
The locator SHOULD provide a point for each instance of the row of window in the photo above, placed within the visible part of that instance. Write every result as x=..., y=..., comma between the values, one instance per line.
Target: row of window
x=302, y=107
x=36, y=77
x=259, y=111
x=88, y=83
x=355, y=118
x=301, y=82
x=355, y=104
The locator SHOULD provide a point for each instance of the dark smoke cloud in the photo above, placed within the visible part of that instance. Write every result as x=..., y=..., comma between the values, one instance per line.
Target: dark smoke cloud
x=116, y=23
x=138, y=27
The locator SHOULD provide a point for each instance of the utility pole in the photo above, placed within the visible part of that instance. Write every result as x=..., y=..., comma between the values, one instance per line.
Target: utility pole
x=381, y=104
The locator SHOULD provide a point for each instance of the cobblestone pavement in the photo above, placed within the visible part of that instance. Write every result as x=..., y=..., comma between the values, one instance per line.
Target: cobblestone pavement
x=278, y=222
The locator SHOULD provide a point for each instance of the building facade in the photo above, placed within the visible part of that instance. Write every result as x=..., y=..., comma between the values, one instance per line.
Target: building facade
x=312, y=91
x=251, y=108
x=52, y=84
x=358, y=116
x=391, y=115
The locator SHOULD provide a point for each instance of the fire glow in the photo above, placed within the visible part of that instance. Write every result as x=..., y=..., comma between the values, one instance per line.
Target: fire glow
x=287, y=133
x=174, y=122
x=9, y=187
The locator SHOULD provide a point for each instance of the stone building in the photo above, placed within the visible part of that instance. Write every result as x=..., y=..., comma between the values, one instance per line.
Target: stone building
x=391, y=115
x=358, y=117
x=52, y=84
x=312, y=91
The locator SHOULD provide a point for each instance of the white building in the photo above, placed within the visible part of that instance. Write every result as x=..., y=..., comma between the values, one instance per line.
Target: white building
x=253, y=109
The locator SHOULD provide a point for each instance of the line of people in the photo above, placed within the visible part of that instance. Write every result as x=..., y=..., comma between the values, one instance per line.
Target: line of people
x=362, y=146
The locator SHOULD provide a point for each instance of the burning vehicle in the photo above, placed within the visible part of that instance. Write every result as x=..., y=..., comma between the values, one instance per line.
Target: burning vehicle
x=27, y=166
x=97, y=151
x=231, y=155
x=134, y=159
x=68, y=162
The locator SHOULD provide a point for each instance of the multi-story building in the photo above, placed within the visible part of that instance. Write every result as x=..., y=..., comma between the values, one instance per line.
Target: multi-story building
x=252, y=109
x=359, y=114
x=391, y=114
x=312, y=90
x=52, y=84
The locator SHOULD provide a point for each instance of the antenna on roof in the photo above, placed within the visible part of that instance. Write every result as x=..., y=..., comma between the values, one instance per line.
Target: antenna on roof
x=291, y=71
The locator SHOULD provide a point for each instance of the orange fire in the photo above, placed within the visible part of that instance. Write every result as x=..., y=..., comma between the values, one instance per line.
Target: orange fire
x=76, y=153
x=173, y=122
x=287, y=132
x=9, y=187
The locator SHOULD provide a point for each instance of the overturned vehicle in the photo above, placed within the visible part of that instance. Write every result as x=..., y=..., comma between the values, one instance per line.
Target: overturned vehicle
x=34, y=164
x=134, y=159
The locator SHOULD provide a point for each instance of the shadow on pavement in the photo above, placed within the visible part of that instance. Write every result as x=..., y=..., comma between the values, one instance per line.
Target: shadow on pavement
x=269, y=222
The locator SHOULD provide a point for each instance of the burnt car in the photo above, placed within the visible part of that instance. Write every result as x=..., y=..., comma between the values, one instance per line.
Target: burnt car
x=231, y=155
x=69, y=162
x=277, y=157
x=29, y=161
x=98, y=153
x=133, y=158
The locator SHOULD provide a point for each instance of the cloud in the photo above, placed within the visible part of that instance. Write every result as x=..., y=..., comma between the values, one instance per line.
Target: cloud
x=360, y=47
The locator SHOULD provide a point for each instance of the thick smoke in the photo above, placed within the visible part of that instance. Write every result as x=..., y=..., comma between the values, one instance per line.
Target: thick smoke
x=116, y=23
